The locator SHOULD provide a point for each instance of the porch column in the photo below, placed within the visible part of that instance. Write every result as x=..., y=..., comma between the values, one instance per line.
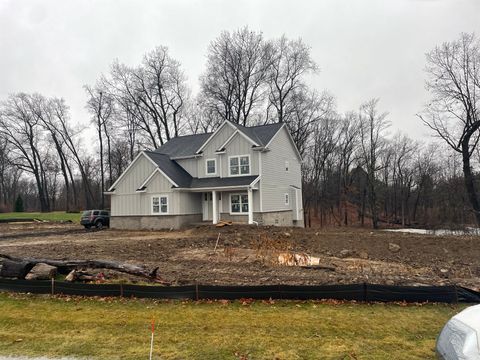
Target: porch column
x=214, y=207
x=250, y=206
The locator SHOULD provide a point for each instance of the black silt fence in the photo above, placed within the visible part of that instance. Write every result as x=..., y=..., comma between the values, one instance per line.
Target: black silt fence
x=357, y=292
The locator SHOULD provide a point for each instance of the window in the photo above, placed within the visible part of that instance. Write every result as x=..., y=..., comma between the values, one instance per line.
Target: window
x=287, y=199
x=211, y=166
x=240, y=165
x=286, y=165
x=239, y=203
x=159, y=204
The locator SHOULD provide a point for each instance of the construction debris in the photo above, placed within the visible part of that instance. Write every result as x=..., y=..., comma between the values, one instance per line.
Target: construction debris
x=394, y=247
x=223, y=223
x=290, y=259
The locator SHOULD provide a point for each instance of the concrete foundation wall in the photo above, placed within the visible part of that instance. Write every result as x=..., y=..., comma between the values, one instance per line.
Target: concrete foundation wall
x=234, y=218
x=153, y=222
x=278, y=218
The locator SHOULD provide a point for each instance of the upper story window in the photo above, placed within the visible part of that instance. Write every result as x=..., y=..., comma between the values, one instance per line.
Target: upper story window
x=211, y=166
x=239, y=165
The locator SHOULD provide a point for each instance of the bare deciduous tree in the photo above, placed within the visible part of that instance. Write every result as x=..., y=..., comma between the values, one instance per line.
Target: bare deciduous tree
x=291, y=60
x=372, y=127
x=22, y=130
x=306, y=110
x=347, y=147
x=235, y=78
x=100, y=105
x=9, y=176
x=453, y=71
x=150, y=98
x=404, y=150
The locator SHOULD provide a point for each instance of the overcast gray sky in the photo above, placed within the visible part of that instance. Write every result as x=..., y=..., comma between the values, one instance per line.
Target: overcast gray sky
x=365, y=48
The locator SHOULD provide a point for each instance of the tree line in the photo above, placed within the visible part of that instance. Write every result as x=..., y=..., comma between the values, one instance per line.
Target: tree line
x=355, y=169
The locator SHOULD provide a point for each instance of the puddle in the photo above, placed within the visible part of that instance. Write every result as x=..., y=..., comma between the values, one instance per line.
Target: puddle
x=439, y=232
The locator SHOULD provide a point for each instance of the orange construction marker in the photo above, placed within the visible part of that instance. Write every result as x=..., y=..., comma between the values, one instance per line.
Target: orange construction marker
x=151, y=341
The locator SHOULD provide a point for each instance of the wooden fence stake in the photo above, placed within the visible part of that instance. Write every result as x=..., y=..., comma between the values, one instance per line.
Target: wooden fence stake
x=216, y=244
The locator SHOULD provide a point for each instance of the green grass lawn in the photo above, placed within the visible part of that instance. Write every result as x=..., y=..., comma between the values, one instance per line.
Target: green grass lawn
x=50, y=216
x=120, y=329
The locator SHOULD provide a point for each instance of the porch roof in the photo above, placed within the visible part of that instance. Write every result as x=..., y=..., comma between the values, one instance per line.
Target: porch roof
x=226, y=182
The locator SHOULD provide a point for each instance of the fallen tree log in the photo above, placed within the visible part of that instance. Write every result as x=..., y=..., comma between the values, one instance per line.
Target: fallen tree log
x=15, y=269
x=67, y=265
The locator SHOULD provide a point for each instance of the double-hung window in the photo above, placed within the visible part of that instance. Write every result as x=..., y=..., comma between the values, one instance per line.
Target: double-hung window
x=240, y=165
x=159, y=204
x=239, y=204
x=211, y=166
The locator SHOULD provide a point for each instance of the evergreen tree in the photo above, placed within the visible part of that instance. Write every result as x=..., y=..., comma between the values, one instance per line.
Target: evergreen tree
x=19, y=204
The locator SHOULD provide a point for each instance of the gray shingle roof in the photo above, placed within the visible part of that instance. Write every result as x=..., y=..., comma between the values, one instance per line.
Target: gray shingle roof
x=188, y=145
x=265, y=133
x=183, y=145
x=171, y=168
x=249, y=131
x=220, y=182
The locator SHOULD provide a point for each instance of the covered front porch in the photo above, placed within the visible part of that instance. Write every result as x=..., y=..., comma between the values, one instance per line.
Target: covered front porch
x=227, y=205
x=229, y=199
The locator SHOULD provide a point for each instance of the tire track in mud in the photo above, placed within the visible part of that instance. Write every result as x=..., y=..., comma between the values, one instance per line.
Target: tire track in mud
x=59, y=232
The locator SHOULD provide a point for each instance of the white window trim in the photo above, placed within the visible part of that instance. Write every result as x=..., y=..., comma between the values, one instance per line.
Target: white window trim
x=206, y=167
x=159, y=196
x=230, y=204
x=286, y=197
x=239, y=171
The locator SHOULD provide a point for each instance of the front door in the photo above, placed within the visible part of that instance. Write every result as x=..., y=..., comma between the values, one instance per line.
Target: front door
x=207, y=207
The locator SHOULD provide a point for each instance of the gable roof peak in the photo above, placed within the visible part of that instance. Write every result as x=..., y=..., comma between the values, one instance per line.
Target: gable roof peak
x=191, y=145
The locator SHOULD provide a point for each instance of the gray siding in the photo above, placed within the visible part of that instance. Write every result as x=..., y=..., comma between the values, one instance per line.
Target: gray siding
x=209, y=151
x=159, y=184
x=275, y=180
x=239, y=146
x=190, y=165
x=136, y=175
x=126, y=201
x=132, y=204
x=188, y=203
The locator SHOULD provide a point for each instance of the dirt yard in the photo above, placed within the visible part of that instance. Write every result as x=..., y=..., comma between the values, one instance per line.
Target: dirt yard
x=250, y=255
